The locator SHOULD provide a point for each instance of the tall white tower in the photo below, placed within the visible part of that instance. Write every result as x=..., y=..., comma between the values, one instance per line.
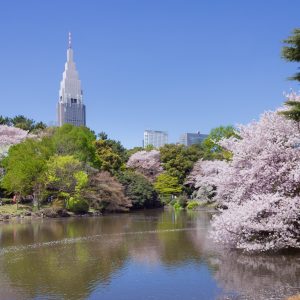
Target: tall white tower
x=70, y=107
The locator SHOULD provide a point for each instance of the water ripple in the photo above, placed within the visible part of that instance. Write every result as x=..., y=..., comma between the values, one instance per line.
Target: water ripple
x=84, y=239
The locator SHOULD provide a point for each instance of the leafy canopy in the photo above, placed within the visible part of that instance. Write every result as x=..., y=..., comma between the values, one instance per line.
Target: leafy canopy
x=65, y=176
x=167, y=185
x=178, y=160
x=138, y=189
x=110, y=154
x=22, y=122
x=25, y=164
x=212, y=149
x=76, y=141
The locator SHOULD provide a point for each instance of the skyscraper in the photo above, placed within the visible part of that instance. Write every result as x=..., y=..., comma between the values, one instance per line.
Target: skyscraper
x=70, y=107
x=155, y=138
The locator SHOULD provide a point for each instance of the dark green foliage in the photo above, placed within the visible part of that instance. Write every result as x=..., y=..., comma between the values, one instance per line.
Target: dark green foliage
x=294, y=112
x=102, y=135
x=5, y=121
x=292, y=51
x=214, y=151
x=22, y=122
x=77, y=206
x=139, y=190
x=178, y=160
x=75, y=141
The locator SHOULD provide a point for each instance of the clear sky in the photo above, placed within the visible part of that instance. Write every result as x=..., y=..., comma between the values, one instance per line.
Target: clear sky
x=174, y=65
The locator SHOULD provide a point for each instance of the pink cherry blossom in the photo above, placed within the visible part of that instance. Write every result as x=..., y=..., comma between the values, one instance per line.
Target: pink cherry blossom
x=147, y=163
x=10, y=136
x=260, y=186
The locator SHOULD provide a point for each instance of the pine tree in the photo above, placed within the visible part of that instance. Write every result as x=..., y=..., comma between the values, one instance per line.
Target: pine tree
x=292, y=52
x=293, y=113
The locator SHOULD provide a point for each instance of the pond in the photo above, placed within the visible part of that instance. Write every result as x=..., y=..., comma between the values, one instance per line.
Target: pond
x=154, y=254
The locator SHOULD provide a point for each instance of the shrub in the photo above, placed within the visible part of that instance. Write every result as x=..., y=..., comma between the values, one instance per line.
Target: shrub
x=106, y=193
x=139, y=190
x=172, y=202
x=182, y=201
x=177, y=206
x=192, y=205
x=77, y=206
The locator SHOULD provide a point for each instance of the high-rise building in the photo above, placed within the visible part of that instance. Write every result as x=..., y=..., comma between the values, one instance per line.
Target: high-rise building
x=189, y=139
x=155, y=138
x=70, y=107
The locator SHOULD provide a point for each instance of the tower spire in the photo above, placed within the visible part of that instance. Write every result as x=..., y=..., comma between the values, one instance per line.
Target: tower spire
x=70, y=40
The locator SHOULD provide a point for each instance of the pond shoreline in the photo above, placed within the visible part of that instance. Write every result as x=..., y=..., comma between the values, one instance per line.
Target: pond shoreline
x=61, y=213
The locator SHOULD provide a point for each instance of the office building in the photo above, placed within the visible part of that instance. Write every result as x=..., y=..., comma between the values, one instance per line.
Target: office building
x=155, y=138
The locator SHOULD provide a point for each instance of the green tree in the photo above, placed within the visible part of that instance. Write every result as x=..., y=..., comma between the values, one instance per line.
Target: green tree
x=149, y=147
x=102, y=135
x=293, y=113
x=110, y=154
x=139, y=190
x=167, y=185
x=5, y=121
x=130, y=152
x=178, y=160
x=22, y=122
x=210, y=145
x=65, y=177
x=292, y=51
x=77, y=141
x=25, y=166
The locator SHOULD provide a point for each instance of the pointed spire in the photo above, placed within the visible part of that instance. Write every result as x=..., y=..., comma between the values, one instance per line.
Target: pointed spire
x=70, y=40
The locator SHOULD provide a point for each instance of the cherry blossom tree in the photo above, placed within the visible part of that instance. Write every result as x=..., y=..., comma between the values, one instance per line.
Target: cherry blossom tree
x=10, y=136
x=204, y=178
x=147, y=163
x=260, y=186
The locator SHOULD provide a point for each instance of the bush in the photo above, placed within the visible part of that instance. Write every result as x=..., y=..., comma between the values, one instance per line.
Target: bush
x=177, y=206
x=172, y=202
x=182, y=201
x=106, y=193
x=77, y=206
x=192, y=205
x=139, y=190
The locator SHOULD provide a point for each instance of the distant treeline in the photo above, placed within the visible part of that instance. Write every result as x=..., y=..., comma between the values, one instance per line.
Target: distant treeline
x=22, y=122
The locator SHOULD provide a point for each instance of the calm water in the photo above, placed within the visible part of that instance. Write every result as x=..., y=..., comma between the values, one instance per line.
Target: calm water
x=145, y=255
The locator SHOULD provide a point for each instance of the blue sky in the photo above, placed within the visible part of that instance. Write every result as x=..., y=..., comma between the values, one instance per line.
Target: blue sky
x=174, y=65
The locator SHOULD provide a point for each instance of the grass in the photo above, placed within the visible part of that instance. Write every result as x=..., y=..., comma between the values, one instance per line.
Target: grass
x=11, y=209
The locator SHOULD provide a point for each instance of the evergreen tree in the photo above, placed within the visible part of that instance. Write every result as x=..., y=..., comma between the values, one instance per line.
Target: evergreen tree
x=292, y=51
x=293, y=113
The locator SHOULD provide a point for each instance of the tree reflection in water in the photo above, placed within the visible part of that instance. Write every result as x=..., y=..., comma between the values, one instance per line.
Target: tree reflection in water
x=70, y=259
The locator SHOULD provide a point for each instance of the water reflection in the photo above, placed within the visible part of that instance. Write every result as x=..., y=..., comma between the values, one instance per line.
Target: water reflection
x=167, y=253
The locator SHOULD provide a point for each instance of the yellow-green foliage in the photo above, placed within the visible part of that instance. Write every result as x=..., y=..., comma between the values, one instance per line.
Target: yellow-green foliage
x=192, y=205
x=64, y=176
x=166, y=184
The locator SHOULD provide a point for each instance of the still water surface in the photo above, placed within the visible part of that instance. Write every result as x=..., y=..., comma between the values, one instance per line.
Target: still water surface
x=144, y=255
